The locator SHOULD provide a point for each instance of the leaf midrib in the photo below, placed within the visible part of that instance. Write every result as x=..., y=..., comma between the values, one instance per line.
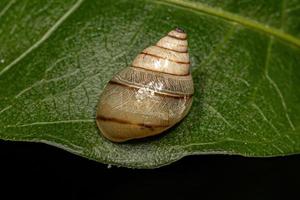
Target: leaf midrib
x=249, y=23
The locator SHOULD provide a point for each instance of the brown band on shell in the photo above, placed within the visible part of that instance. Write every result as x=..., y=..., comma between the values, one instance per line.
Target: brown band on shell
x=177, y=38
x=176, y=96
x=182, y=45
x=156, y=56
x=171, y=49
x=121, y=121
x=160, y=71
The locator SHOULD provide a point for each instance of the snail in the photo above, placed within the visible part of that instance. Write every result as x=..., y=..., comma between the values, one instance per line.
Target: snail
x=151, y=95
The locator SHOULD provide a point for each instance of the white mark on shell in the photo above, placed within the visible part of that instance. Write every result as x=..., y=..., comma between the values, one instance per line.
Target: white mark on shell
x=148, y=90
x=151, y=95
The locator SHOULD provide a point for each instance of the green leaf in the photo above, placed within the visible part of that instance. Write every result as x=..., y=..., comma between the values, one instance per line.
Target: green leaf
x=57, y=56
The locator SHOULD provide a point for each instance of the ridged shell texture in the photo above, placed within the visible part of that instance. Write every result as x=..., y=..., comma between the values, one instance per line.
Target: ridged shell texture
x=151, y=95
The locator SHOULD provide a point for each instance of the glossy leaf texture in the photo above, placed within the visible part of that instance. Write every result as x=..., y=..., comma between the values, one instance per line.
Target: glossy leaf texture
x=57, y=56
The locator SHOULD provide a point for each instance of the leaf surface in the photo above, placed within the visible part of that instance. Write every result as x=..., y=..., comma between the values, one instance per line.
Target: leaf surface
x=57, y=56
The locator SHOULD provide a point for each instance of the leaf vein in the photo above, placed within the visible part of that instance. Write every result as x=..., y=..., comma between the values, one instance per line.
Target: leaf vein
x=5, y=9
x=50, y=123
x=272, y=82
x=275, y=86
x=244, y=21
x=265, y=118
x=283, y=6
x=219, y=115
x=43, y=38
x=216, y=50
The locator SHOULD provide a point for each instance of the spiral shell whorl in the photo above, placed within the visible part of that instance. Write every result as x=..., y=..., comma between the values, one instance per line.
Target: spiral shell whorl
x=150, y=96
x=169, y=55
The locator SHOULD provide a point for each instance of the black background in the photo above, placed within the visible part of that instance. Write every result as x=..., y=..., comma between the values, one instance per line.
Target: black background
x=38, y=170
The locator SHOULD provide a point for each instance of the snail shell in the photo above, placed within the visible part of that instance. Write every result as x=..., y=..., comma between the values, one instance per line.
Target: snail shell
x=151, y=95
